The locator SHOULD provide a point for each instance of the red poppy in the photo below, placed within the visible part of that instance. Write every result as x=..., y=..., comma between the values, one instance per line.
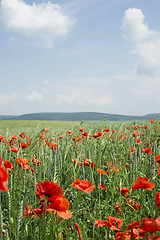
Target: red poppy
x=81, y=130
x=114, y=223
x=69, y=132
x=151, y=120
x=15, y=149
x=102, y=172
x=124, y=191
x=22, y=135
x=100, y=223
x=23, y=145
x=115, y=168
x=84, y=185
x=103, y=187
x=86, y=162
x=147, y=150
x=2, y=139
x=15, y=137
x=93, y=164
x=137, y=233
x=118, y=208
x=132, y=225
x=150, y=225
x=158, y=200
x=56, y=201
x=157, y=159
x=8, y=165
x=154, y=237
x=106, y=129
x=122, y=236
x=23, y=162
x=3, y=177
x=142, y=183
x=48, y=188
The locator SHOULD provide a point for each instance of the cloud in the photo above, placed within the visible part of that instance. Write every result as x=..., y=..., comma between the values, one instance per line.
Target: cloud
x=34, y=96
x=45, y=20
x=85, y=98
x=146, y=41
x=6, y=99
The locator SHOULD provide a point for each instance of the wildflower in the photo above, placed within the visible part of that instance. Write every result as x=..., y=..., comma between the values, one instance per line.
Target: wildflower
x=8, y=165
x=56, y=201
x=22, y=135
x=102, y=172
x=150, y=225
x=15, y=149
x=3, y=177
x=23, y=145
x=84, y=185
x=157, y=159
x=157, y=200
x=142, y=183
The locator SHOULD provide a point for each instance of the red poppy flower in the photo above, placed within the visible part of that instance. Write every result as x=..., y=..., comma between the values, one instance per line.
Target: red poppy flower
x=15, y=149
x=147, y=150
x=23, y=162
x=3, y=177
x=157, y=159
x=118, y=208
x=124, y=191
x=151, y=120
x=69, y=132
x=2, y=139
x=8, y=165
x=22, y=135
x=81, y=130
x=132, y=225
x=15, y=137
x=154, y=237
x=100, y=223
x=158, y=200
x=122, y=236
x=60, y=206
x=106, y=129
x=102, y=172
x=150, y=225
x=23, y=145
x=86, y=162
x=114, y=223
x=137, y=233
x=102, y=186
x=48, y=188
x=55, y=200
x=84, y=185
x=142, y=183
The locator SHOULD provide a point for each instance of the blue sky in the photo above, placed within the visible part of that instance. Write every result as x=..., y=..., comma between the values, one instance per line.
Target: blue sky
x=80, y=55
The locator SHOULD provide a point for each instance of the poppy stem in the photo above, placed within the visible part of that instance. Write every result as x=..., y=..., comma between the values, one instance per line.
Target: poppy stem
x=78, y=230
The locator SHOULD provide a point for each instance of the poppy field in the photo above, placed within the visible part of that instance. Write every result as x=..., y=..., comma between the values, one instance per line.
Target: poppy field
x=98, y=181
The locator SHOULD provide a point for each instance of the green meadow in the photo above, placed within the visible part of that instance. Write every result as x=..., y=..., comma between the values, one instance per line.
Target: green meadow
x=79, y=180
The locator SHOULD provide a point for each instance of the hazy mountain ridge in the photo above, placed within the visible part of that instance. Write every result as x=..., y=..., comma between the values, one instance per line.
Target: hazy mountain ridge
x=77, y=116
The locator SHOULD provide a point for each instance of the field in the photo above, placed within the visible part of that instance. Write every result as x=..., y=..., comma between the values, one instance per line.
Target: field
x=79, y=180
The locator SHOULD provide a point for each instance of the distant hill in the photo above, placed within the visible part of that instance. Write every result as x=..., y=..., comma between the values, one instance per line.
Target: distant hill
x=78, y=116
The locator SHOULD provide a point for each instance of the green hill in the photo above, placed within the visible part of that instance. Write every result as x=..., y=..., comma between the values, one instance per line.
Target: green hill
x=78, y=116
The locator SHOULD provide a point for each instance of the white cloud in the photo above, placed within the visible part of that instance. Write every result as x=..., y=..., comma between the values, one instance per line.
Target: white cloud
x=85, y=98
x=146, y=41
x=34, y=96
x=44, y=20
x=6, y=98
